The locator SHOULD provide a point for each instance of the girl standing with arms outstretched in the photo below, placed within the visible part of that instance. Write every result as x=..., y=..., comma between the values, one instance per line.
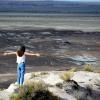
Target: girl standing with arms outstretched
x=20, y=54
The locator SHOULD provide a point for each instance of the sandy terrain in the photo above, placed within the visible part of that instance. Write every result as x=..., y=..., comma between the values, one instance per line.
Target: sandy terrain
x=59, y=49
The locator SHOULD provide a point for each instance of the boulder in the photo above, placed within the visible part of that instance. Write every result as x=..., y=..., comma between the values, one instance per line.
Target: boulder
x=52, y=79
x=28, y=76
x=13, y=88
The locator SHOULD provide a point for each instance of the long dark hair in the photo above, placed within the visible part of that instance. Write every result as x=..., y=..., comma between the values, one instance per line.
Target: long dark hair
x=20, y=51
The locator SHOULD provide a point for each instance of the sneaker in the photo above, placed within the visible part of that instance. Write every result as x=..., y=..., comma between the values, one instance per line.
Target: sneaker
x=16, y=83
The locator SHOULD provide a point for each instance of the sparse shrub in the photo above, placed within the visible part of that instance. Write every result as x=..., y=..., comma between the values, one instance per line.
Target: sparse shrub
x=44, y=73
x=38, y=74
x=67, y=75
x=73, y=69
x=2, y=89
x=15, y=96
x=88, y=67
x=30, y=92
x=34, y=75
x=97, y=69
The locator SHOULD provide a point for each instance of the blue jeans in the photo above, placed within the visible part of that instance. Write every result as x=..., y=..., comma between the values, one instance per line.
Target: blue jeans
x=20, y=73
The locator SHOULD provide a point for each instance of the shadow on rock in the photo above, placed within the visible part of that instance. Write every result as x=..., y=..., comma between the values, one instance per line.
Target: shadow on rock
x=80, y=93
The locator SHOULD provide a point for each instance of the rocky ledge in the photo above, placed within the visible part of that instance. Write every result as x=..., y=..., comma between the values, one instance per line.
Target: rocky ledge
x=82, y=85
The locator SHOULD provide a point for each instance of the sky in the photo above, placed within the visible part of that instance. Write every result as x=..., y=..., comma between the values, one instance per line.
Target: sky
x=63, y=0
x=80, y=0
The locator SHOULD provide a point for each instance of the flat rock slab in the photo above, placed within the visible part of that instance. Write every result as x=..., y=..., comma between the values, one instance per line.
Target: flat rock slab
x=4, y=95
x=61, y=93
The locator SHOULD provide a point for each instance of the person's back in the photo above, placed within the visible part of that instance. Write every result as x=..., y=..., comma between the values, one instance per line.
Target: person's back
x=20, y=56
x=21, y=64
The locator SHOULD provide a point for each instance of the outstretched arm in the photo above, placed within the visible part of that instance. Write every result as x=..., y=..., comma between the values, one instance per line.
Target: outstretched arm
x=26, y=53
x=9, y=53
x=32, y=54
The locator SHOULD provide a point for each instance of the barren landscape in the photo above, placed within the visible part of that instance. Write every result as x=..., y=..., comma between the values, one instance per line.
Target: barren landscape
x=63, y=41
x=59, y=50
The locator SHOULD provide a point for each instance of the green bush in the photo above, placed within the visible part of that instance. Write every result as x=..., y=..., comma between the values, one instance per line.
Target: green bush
x=34, y=74
x=2, y=89
x=88, y=67
x=67, y=75
x=73, y=69
x=15, y=96
x=33, y=91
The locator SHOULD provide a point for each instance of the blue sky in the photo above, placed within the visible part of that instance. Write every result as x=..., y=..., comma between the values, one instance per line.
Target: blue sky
x=84, y=0
x=63, y=0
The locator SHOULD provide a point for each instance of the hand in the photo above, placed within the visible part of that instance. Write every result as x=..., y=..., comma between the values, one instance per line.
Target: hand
x=37, y=54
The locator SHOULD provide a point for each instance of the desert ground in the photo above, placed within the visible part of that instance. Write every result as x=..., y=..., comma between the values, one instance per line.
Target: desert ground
x=59, y=49
x=63, y=41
